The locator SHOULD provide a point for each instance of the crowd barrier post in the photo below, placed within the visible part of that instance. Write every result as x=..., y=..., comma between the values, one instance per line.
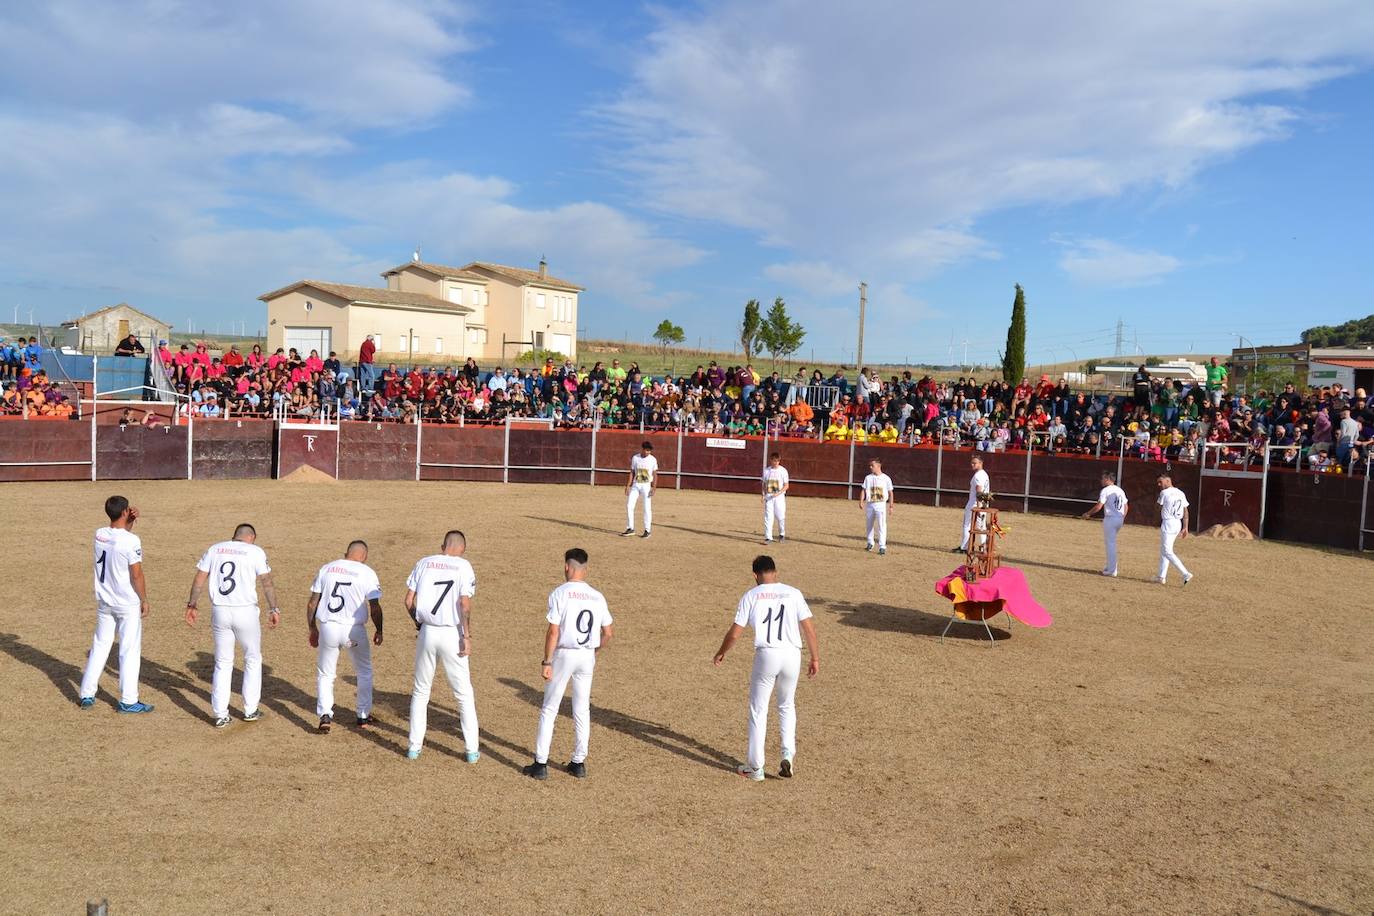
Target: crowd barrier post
x=93, y=451
x=1364, y=501
x=418, y=440
x=678, y=475
x=596, y=426
x=190, y=433
x=1121, y=461
x=939, y=466
x=1030, y=451
x=505, y=455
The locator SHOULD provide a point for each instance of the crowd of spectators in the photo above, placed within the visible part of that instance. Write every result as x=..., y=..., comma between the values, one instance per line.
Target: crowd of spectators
x=27, y=390
x=1160, y=418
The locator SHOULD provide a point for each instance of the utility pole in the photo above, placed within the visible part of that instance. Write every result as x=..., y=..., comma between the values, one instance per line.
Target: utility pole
x=863, y=305
x=1120, y=330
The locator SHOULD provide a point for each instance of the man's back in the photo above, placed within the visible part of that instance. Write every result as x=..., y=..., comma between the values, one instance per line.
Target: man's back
x=116, y=549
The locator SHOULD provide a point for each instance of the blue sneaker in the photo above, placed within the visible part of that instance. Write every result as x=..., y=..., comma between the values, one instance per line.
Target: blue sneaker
x=413, y=754
x=87, y=702
x=472, y=756
x=135, y=707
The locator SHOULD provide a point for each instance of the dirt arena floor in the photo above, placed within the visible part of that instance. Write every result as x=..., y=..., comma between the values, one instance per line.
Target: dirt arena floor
x=1173, y=750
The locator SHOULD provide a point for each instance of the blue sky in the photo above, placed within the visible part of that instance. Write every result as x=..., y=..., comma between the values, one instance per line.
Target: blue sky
x=1195, y=168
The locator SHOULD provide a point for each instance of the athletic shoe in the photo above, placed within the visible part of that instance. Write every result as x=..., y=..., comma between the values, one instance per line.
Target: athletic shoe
x=537, y=770
x=1160, y=581
x=222, y=722
x=413, y=754
x=628, y=533
x=882, y=551
x=750, y=773
x=768, y=540
x=957, y=550
x=1110, y=575
x=645, y=534
x=578, y=768
x=135, y=707
x=1188, y=578
x=326, y=723
x=253, y=716
x=782, y=537
x=86, y=702
x=472, y=756
x=785, y=771
x=868, y=548
x=363, y=721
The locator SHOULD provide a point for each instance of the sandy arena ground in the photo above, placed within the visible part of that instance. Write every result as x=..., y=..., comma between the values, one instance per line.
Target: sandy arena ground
x=1157, y=750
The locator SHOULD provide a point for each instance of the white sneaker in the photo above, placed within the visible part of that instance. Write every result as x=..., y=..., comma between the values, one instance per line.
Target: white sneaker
x=1188, y=578
x=750, y=773
x=1160, y=581
x=1109, y=574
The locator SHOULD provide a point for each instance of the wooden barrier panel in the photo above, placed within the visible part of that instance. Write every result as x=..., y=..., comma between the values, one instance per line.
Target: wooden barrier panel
x=815, y=468
x=232, y=449
x=550, y=455
x=28, y=448
x=1314, y=508
x=614, y=448
x=377, y=451
x=722, y=464
x=445, y=449
x=1226, y=497
x=142, y=453
x=1069, y=484
x=913, y=470
x=299, y=446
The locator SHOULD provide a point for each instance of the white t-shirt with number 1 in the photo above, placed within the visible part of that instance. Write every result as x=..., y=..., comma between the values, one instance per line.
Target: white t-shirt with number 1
x=644, y=468
x=579, y=611
x=345, y=587
x=775, y=611
x=439, y=582
x=1113, y=500
x=116, y=549
x=234, y=567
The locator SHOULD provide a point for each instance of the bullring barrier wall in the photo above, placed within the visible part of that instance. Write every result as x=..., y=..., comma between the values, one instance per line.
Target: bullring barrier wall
x=1324, y=509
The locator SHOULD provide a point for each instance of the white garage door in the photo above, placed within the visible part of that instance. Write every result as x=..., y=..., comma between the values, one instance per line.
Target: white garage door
x=561, y=343
x=307, y=339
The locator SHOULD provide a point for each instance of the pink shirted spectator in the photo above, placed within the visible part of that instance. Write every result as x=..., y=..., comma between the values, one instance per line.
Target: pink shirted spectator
x=276, y=359
x=255, y=360
x=202, y=355
x=313, y=363
x=300, y=375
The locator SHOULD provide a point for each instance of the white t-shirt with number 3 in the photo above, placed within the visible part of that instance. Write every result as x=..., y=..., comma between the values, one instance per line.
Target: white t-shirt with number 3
x=345, y=587
x=775, y=611
x=438, y=583
x=579, y=611
x=234, y=567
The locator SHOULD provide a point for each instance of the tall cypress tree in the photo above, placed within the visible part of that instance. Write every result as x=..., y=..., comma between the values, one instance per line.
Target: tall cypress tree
x=1014, y=358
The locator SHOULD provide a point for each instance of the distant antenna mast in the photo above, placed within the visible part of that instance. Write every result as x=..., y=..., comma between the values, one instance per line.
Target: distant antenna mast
x=415, y=255
x=1120, y=332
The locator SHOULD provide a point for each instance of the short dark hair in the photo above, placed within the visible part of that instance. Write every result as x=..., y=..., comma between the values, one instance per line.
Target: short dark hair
x=646, y=444
x=773, y=455
x=116, y=506
x=763, y=563
x=455, y=533
x=1109, y=475
x=352, y=544
x=575, y=555
x=244, y=528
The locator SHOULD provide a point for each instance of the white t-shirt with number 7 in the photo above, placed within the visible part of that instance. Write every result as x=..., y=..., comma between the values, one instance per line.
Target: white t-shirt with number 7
x=234, y=567
x=439, y=582
x=579, y=611
x=345, y=587
x=775, y=611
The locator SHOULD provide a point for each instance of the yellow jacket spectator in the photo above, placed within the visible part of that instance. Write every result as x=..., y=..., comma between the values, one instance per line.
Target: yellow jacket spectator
x=888, y=433
x=837, y=431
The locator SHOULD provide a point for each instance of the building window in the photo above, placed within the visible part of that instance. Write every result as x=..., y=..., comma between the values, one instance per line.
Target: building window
x=477, y=336
x=438, y=345
x=405, y=344
x=455, y=294
x=539, y=300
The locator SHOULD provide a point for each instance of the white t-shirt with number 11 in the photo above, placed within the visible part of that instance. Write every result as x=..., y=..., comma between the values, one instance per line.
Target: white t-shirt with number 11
x=775, y=611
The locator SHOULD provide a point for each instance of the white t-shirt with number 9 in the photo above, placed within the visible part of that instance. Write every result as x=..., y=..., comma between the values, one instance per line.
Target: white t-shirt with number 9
x=579, y=611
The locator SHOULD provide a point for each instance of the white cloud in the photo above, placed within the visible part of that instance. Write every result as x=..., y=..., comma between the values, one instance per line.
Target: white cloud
x=858, y=134
x=1100, y=262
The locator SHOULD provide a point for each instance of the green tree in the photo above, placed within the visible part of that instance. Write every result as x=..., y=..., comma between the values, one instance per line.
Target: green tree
x=1353, y=333
x=749, y=329
x=1014, y=357
x=668, y=334
x=779, y=334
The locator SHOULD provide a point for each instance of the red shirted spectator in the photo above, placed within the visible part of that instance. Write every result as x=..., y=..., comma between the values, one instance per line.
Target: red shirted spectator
x=164, y=355
x=1045, y=390
x=276, y=359
x=195, y=373
x=202, y=355
x=300, y=375
x=255, y=359
x=215, y=370
x=233, y=359
x=414, y=385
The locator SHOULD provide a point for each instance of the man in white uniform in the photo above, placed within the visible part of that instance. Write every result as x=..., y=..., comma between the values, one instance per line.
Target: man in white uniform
x=781, y=620
x=877, y=499
x=121, y=603
x=643, y=482
x=978, y=483
x=1173, y=523
x=439, y=599
x=233, y=570
x=580, y=625
x=775, y=484
x=349, y=589
x=1113, y=504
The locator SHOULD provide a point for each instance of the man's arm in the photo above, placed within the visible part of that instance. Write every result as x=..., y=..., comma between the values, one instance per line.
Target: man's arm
x=731, y=635
x=550, y=643
x=376, y=608
x=1097, y=507
x=465, y=616
x=606, y=633
x=197, y=586
x=1125, y=511
x=409, y=604
x=631, y=482
x=269, y=591
x=808, y=630
x=310, y=607
x=140, y=588
x=1184, y=532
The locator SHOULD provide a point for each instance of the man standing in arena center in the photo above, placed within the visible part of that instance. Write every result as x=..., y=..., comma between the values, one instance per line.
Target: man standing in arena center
x=781, y=620
x=877, y=499
x=775, y=485
x=121, y=601
x=1173, y=524
x=1113, y=504
x=349, y=589
x=233, y=570
x=978, y=483
x=643, y=482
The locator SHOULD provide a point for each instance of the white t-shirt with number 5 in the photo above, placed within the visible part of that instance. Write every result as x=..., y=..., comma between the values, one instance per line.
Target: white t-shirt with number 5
x=345, y=587
x=775, y=611
x=234, y=567
x=579, y=611
x=438, y=583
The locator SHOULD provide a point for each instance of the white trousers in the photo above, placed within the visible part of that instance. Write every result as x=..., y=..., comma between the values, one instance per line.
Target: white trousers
x=433, y=645
x=333, y=637
x=968, y=526
x=777, y=670
x=1111, y=526
x=230, y=625
x=637, y=490
x=876, y=514
x=774, y=507
x=1168, y=532
x=574, y=665
x=126, y=625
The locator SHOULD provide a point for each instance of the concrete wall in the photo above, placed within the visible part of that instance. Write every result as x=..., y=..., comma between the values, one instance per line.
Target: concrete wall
x=389, y=326
x=326, y=311
x=99, y=335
